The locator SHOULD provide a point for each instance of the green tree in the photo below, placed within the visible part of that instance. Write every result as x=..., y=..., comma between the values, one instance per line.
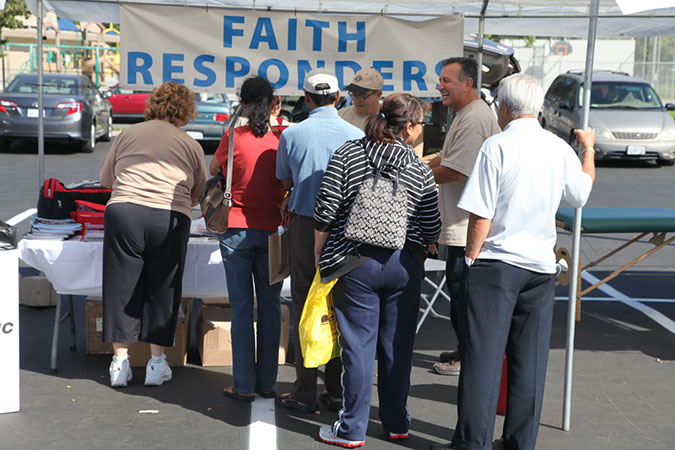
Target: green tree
x=529, y=40
x=13, y=8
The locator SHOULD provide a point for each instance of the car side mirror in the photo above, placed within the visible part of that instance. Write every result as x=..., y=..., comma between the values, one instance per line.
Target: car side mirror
x=564, y=104
x=670, y=107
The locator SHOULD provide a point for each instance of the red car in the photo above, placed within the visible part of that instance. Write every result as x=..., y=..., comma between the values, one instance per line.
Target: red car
x=127, y=105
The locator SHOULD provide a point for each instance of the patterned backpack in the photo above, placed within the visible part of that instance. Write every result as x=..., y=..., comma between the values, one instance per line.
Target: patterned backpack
x=379, y=213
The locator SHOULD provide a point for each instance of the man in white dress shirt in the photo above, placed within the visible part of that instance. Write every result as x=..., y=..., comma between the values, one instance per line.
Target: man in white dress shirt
x=512, y=195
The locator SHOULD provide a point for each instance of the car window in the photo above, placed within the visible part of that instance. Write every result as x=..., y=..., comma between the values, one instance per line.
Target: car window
x=28, y=85
x=116, y=90
x=207, y=97
x=569, y=91
x=557, y=89
x=622, y=95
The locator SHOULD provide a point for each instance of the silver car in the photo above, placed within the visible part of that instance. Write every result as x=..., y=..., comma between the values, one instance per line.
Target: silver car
x=74, y=111
x=627, y=115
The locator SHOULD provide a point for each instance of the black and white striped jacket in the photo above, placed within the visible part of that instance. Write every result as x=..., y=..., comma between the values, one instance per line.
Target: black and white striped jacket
x=346, y=172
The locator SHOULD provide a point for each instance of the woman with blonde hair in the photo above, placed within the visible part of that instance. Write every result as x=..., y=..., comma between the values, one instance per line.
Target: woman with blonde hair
x=157, y=173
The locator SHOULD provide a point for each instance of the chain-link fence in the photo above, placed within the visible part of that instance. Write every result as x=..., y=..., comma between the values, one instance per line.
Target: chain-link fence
x=100, y=63
x=661, y=75
x=618, y=55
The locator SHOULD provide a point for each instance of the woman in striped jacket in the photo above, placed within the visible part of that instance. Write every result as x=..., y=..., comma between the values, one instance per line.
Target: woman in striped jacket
x=377, y=295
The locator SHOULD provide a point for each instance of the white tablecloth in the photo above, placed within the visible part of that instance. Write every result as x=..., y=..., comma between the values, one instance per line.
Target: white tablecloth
x=75, y=267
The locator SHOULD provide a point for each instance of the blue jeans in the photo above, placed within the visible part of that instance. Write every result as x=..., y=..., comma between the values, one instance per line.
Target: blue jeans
x=245, y=257
x=376, y=307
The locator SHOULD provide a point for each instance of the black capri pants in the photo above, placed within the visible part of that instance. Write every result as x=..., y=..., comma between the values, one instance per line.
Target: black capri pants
x=143, y=259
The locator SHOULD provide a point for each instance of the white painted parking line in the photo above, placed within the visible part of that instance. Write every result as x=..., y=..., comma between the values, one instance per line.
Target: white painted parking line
x=262, y=431
x=656, y=316
x=19, y=217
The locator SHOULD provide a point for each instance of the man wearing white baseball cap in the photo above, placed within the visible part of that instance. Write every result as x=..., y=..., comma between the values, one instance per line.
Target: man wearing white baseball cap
x=302, y=158
x=365, y=91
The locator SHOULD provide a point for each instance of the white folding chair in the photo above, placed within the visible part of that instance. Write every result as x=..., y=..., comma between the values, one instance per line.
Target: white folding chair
x=433, y=265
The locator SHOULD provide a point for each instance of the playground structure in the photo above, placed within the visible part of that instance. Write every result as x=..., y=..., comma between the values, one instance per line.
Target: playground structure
x=88, y=48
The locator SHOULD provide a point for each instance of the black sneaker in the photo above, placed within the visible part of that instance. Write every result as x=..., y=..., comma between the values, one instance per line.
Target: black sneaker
x=334, y=404
x=449, y=356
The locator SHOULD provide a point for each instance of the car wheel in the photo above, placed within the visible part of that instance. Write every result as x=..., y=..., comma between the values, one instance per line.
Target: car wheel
x=4, y=144
x=89, y=145
x=108, y=131
x=666, y=162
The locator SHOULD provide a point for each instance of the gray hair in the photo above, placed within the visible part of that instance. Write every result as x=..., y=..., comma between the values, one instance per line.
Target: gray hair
x=522, y=94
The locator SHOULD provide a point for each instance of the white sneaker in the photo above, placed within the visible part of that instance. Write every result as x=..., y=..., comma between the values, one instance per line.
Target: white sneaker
x=156, y=374
x=120, y=373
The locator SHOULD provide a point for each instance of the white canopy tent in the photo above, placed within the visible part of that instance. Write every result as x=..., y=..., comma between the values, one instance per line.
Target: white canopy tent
x=561, y=18
x=568, y=18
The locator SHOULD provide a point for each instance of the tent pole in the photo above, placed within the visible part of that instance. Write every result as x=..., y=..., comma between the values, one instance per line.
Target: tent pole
x=481, y=35
x=574, y=276
x=40, y=76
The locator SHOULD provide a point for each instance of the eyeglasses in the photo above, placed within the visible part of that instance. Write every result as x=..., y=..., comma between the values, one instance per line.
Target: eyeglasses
x=361, y=97
x=420, y=123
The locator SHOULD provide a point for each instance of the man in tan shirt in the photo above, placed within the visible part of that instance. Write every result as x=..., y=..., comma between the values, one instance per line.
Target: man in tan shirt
x=366, y=92
x=473, y=124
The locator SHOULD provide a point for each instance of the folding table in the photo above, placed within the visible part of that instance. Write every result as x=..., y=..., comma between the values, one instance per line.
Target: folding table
x=75, y=267
x=657, y=221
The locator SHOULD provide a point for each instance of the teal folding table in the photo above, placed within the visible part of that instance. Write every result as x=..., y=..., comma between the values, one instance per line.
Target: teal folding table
x=644, y=221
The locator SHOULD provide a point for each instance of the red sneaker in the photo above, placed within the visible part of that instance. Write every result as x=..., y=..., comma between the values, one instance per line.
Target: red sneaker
x=394, y=436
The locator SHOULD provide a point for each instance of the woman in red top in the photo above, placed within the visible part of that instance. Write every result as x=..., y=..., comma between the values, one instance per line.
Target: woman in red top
x=256, y=202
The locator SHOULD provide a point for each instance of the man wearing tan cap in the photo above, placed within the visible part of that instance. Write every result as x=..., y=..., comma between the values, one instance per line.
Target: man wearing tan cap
x=365, y=91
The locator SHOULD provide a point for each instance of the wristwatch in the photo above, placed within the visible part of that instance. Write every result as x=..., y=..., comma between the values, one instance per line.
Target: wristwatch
x=468, y=261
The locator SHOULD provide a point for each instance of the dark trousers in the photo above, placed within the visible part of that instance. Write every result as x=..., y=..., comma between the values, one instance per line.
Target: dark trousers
x=507, y=310
x=301, y=244
x=376, y=306
x=455, y=274
x=143, y=258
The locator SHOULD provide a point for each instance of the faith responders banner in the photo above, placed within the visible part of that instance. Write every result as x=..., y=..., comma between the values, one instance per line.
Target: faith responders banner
x=214, y=50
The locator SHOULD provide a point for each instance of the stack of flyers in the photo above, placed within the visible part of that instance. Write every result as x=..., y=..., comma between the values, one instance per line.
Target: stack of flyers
x=54, y=229
x=90, y=235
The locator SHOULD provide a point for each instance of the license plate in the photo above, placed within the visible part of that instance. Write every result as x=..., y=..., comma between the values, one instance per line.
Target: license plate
x=195, y=134
x=32, y=112
x=635, y=150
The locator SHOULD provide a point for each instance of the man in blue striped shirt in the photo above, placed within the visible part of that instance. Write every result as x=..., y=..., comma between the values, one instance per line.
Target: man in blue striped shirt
x=303, y=155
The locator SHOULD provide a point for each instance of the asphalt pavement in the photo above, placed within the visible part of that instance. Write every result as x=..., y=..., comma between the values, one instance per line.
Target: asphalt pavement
x=624, y=371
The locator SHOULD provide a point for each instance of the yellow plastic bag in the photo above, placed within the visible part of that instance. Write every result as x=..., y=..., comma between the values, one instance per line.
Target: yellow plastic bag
x=318, y=329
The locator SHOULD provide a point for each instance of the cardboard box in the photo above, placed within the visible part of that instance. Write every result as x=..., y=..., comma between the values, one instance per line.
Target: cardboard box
x=93, y=313
x=222, y=301
x=139, y=353
x=214, y=337
x=216, y=301
x=176, y=356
